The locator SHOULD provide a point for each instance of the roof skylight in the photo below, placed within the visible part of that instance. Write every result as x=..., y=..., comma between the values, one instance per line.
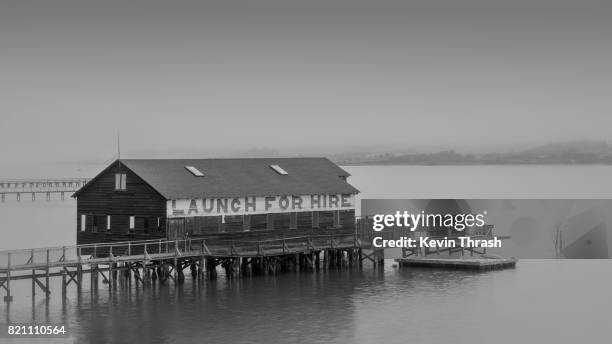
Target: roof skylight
x=194, y=171
x=278, y=169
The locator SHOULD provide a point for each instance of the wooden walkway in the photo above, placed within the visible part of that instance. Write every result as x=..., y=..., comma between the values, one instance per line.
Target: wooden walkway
x=163, y=260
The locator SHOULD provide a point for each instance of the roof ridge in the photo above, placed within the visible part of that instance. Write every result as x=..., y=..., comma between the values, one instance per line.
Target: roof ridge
x=233, y=177
x=253, y=158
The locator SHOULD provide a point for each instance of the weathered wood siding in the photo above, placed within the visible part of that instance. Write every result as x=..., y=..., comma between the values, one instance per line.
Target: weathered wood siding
x=233, y=228
x=100, y=199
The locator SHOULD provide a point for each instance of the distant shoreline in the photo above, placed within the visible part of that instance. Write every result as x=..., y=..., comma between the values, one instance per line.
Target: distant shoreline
x=377, y=163
x=564, y=153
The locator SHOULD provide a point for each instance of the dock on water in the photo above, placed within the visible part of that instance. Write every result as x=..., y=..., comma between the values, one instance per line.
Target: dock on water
x=482, y=263
x=150, y=219
x=147, y=261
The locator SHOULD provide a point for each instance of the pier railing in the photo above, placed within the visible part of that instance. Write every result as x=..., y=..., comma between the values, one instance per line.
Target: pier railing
x=58, y=256
x=361, y=237
x=41, y=185
x=17, y=188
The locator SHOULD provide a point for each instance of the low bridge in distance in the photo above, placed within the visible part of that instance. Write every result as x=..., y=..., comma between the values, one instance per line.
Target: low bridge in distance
x=50, y=189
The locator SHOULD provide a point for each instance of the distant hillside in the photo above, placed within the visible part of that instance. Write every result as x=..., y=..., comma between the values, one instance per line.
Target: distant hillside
x=575, y=152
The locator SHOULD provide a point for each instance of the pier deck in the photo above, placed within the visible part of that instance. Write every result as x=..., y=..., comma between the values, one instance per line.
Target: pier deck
x=471, y=263
x=150, y=260
x=150, y=250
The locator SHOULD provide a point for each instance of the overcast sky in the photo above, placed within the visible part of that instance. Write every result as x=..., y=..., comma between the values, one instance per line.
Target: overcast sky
x=219, y=76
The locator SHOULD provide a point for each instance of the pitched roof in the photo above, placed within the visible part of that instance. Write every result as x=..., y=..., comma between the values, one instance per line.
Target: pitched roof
x=241, y=177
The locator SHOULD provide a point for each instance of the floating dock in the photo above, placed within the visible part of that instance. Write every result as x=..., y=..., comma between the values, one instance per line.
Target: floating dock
x=471, y=263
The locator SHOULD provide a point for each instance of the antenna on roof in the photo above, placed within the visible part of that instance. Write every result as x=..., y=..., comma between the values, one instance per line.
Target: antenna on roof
x=118, y=146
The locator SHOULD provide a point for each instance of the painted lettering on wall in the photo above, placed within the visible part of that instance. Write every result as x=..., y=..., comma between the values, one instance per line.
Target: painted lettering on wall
x=258, y=205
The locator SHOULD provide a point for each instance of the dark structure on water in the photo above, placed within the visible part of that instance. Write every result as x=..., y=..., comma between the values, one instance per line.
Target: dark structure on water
x=148, y=220
x=214, y=198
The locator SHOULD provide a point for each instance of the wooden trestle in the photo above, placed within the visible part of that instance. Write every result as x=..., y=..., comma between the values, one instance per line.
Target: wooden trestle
x=51, y=188
x=160, y=261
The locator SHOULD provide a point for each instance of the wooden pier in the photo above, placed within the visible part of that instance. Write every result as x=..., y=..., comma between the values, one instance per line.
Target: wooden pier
x=150, y=261
x=14, y=189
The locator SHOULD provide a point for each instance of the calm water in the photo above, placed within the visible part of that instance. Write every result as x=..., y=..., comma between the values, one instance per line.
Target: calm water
x=540, y=301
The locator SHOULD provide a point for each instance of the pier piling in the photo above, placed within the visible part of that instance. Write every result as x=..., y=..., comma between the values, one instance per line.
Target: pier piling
x=120, y=262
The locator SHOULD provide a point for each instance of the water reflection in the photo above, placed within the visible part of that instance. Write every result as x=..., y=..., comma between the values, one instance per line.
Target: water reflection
x=340, y=306
x=289, y=307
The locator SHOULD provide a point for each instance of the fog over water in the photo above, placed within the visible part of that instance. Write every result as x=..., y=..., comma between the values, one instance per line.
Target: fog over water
x=206, y=78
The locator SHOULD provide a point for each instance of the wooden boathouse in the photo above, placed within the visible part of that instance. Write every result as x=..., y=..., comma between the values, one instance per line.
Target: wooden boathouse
x=149, y=220
x=218, y=199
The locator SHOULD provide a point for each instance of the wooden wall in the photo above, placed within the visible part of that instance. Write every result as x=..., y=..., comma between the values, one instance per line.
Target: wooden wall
x=100, y=199
x=212, y=226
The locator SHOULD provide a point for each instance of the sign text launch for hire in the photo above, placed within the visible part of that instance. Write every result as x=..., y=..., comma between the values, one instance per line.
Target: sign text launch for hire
x=258, y=205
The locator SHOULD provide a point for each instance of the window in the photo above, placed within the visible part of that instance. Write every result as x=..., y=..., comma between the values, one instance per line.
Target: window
x=194, y=171
x=120, y=181
x=279, y=170
x=336, y=218
x=221, y=223
x=246, y=223
x=94, y=225
x=315, y=219
x=132, y=222
x=83, y=222
x=108, y=222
